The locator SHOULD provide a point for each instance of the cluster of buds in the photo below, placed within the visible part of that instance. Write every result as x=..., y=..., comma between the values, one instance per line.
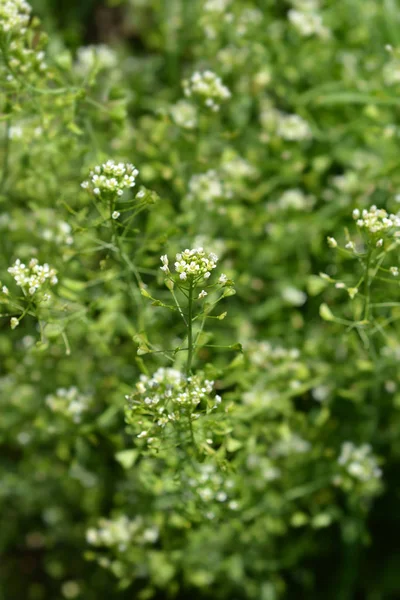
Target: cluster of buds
x=192, y=264
x=24, y=51
x=111, y=179
x=33, y=276
x=208, y=88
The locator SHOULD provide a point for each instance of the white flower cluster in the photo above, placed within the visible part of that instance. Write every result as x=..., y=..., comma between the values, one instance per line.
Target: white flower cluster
x=69, y=402
x=391, y=72
x=264, y=353
x=14, y=16
x=167, y=393
x=33, y=276
x=290, y=127
x=216, y=6
x=237, y=167
x=210, y=486
x=193, y=264
x=60, y=233
x=111, y=178
x=98, y=56
x=293, y=128
x=308, y=23
x=359, y=462
x=120, y=532
x=184, y=114
x=208, y=88
x=290, y=444
x=376, y=220
x=24, y=57
x=208, y=188
x=295, y=199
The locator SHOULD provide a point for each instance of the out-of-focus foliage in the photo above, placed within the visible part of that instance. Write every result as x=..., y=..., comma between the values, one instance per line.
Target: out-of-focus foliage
x=153, y=443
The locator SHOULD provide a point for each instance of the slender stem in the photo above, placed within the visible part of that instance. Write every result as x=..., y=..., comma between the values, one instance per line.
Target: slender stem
x=4, y=174
x=190, y=329
x=123, y=256
x=367, y=284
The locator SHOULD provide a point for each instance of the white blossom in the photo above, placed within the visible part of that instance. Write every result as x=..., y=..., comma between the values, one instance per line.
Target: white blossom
x=111, y=179
x=208, y=88
x=32, y=277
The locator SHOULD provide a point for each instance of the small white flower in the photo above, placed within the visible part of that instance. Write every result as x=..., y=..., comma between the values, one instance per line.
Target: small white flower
x=379, y=243
x=208, y=88
x=332, y=243
x=115, y=214
x=14, y=322
x=111, y=179
x=394, y=271
x=202, y=294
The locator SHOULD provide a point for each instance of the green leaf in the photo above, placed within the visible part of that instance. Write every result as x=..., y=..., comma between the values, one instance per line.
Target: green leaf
x=325, y=313
x=127, y=458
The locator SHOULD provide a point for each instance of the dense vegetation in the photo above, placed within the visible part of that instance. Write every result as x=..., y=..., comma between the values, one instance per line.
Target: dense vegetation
x=221, y=422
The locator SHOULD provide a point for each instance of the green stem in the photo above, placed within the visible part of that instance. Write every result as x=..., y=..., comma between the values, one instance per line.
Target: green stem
x=367, y=284
x=190, y=330
x=4, y=173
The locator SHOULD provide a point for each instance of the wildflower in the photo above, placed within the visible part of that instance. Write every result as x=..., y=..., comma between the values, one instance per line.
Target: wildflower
x=14, y=16
x=115, y=214
x=184, y=114
x=111, y=179
x=350, y=245
x=375, y=220
x=295, y=199
x=222, y=279
x=14, y=322
x=165, y=263
x=332, y=243
x=394, y=271
x=100, y=56
x=359, y=462
x=31, y=278
x=202, y=294
x=193, y=264
x=208, y=88
x=167, y=394
x=70, y=403
x=308, y=23
x=379, y=243
x=208, y=188
x=293, y=128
